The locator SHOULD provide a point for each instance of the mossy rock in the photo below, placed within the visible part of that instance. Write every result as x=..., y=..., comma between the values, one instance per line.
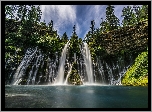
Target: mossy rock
x=74, y=78
x=137, y=74
x=74, y=66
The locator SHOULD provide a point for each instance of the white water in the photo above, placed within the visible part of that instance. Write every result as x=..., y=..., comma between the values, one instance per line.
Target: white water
x=38, y=62
x=60, y=76
x=88, y=63
x=23, y=65
x=101, y=70
x=121, y=71
x=66, y=81
x=86, y=69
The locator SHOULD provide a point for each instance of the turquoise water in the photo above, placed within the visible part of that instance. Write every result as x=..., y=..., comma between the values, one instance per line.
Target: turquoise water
x=76, y=97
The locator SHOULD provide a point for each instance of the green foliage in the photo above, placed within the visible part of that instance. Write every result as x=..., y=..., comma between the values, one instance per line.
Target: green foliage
x=64, y=38
x=129, y=16
x=134, y=15
x=111, y=19
x=74, y=77
x=137, y=11
x=48, y=42
x=9, y=12
x=27, y=17
x=92, y=27
x=74, y=30
x=74, y=45
x=103, y=26
x=143, y=13
x=137, y=74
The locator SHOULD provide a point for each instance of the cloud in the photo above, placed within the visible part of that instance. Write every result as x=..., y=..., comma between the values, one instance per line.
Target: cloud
x=92, y=12
x=78, y=28
x=62, y=16
x=96, y=12
x=66, y=16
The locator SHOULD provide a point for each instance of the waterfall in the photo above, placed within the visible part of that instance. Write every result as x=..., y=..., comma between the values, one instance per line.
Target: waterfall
x=66, y=81
x=101, y=71
x=88, y=63
x=20, y=72
x=116, y=71
x=38, y=61
x=36, y=68
x=60, y=76
x=110, y=73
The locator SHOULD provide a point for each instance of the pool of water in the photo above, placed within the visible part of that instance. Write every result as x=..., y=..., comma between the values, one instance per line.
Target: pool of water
x=95, y=96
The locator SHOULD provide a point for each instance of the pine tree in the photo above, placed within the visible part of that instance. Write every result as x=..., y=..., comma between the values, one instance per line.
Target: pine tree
x=74, y=43
x=90, y=35
x=128, y=15
x=97, y=31
x=112, y=20
x=137, y=12
x=103, y=26
x=74, y=30
x=64, y=38
x=143, y=12
x=50, y=25
x=92, y=27
x=86, y=38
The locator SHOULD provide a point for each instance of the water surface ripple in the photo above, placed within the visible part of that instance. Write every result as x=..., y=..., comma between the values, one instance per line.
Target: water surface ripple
x=95, y=96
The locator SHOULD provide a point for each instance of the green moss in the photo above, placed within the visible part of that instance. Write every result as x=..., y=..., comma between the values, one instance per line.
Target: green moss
x=137, y=74
x=74, y=77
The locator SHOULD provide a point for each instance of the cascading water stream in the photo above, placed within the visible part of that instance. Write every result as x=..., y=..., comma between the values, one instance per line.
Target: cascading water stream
x=23, y=65
x=101, y=71
x=50, y=69
x=38, y=61
x=32, y=65
x=60, y=76
x=66, y=81
x=88, y=63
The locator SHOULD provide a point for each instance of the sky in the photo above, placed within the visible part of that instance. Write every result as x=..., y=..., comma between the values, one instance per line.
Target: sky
x=66, y=16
